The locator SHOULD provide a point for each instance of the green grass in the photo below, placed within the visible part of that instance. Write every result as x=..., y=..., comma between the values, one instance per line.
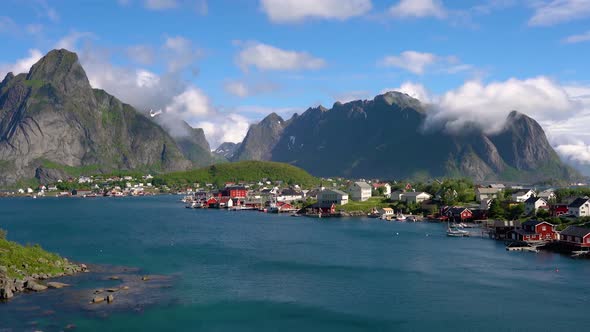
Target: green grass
x=247, y=171
x=34, y=83
x=22, y=261
x=366, y=206
x=71, y=170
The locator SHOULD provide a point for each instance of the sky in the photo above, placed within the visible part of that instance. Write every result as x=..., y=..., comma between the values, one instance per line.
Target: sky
x=224, y=64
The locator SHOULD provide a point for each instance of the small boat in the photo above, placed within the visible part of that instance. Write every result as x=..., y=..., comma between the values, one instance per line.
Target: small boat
x=400, y=217
x=456, y=232
x=295, y=215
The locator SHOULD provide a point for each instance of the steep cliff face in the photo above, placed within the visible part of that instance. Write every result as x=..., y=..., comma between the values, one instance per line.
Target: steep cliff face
x=227, y=150
x=385, y=137
x=261, y=139
x=52, y=115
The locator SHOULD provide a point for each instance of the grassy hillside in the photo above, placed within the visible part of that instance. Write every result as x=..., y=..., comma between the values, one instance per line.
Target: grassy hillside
x=18, y=261
x=247, y=171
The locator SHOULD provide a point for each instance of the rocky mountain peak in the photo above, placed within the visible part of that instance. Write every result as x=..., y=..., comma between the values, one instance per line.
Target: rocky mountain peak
x=402, y=100
x=7, y=78
x=62, y=69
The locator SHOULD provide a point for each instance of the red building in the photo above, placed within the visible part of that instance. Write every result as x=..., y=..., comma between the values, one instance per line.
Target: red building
x=533, y=231
x=557, y=210
x=576, y=236
x=212, y=202
x=234, y=192
x=457, y=214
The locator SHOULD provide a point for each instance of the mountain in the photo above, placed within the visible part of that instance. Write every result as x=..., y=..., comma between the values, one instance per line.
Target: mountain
x=194, y=145
x=52, y=123
x=261, y=139
x=227, y=150
x=386, y=138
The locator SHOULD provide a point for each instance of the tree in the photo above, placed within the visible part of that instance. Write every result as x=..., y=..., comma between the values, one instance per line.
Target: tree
x=496, y=210
x=3, y=234
x=542, y=213
x=516, y=211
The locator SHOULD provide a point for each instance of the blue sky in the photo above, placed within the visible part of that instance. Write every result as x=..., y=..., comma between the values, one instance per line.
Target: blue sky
x=223, y=64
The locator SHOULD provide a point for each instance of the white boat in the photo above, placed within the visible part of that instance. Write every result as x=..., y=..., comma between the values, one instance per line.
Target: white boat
x=400, y=217
x=456, y=232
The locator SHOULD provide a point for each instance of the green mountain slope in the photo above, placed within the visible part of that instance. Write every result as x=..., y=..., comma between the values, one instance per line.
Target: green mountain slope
x=247, y=171
x=51, y=116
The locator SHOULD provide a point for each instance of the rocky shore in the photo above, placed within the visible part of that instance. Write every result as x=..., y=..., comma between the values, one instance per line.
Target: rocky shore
x=34, y=282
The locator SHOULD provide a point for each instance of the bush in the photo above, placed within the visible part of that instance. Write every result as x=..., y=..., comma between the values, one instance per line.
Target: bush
x=3, y=234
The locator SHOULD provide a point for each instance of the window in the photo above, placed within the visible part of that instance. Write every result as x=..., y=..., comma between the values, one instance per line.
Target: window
x=544, y=228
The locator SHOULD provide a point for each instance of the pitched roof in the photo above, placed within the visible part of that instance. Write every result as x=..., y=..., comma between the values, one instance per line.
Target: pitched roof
x=533, y=200
x=488, y=190
x=414, y=194
x=521, y=192
x=534, y=223
x=363, y=185
x=340, y=192
x=578, y=202
x=576, y=231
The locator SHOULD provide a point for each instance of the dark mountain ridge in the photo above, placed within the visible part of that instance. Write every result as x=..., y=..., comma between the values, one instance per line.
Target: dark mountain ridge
x=385, y=138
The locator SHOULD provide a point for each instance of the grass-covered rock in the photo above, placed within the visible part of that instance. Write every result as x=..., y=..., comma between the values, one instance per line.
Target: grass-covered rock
x=21, y=265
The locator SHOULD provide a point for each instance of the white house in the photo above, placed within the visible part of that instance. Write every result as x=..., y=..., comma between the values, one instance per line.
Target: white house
x=482, y=194
x=359, y=191
x=289, y=195
x=397, y=195
x=580, y=207
x=328, y=197
x=386, y=188
x=415, y=197
x=522, y=195
x=385, y=212
x=548, y=195
x=533, y=204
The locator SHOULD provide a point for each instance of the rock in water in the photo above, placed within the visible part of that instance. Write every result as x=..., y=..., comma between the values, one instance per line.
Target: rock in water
x=34, y=286
x=6, y=287
x=98, y=299
x=110, y=298
x=55, y=284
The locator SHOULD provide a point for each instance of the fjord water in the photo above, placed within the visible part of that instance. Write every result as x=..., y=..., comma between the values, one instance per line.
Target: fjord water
x=248, y=271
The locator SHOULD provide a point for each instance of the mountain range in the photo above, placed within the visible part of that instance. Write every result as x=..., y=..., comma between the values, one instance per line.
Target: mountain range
x=54, y=124
x=386, y=137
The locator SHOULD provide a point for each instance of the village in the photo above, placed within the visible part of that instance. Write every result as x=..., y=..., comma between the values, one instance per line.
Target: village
x=549, y=218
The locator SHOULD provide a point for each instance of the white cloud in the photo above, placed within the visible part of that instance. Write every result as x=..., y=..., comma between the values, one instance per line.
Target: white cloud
x=267, y=57
x=578, y=152
x=237, y=88
x=34, y=29
x=411, y=61
x=70, y=41
x=413, y=90
x=180, y=53
x=245, y=89
x=584, y=37
x=227, y=128
x=418, y=9
x=22, y=65
x=559, y=11
x=487, y=105
x=160, y=4
x=290, y=11
x=142, y=54
x=418, y=62
x=43, y=9
x=191, y=103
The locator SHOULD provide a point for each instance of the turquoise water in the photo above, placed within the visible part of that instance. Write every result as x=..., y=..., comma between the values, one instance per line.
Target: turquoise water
x=248, y=271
